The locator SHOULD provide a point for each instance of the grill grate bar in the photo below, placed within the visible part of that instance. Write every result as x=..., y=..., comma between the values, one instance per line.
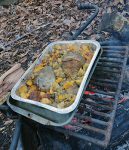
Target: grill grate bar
x=102, y=114
x=96, y=104
x=102, y=92
x=113, y=56
x=106, y=81
x=93, y=120
x=107, y=70
x=109, y=100
x=81, y=136
x=103, y=84
x=89, y=128
x=111, y=60
x=101, y=74
x=114, y=52
x=113, y=64
x=110, y=48
x=109, y=65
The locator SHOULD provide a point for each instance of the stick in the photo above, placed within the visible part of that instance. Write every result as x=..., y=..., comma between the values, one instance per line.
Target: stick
x=15, y=67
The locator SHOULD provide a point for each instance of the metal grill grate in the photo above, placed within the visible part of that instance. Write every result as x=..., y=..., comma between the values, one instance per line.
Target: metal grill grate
x=94, y=119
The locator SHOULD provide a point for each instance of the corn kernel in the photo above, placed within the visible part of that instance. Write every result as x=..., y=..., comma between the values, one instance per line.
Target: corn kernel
x=38, y=68
x=42, y=93
x=24, y=95
x=78, y=82
x=29, y=82
x=58, y=80
x=33, y=87
x=23, y=89
x=45, y=101
x=68, y=84
x=61, y=97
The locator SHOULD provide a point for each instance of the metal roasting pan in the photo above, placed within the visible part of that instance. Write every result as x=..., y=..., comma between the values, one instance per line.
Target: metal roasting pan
x=45, y=116
x=95, y=47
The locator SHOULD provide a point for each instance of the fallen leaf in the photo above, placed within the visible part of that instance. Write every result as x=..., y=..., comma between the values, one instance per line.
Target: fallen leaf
x=8, y=122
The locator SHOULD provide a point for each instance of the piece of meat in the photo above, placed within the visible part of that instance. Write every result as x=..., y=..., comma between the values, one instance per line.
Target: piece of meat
x=71, y=63
x=74, y=56
x=46, y=78
x=44, y=95
x=72, y=90
x=35, y=95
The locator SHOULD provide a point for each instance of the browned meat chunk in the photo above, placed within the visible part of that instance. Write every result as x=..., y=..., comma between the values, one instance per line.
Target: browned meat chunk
x=72, y=62
x=45, y=78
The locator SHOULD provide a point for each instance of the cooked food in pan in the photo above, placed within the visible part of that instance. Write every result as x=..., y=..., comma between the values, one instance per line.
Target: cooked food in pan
x=56, y=80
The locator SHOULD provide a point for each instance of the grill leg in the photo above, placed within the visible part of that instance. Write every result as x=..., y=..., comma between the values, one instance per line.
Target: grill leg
x=16, y=135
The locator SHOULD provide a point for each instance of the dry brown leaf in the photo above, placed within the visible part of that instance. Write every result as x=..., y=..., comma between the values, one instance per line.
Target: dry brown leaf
x=8, y=122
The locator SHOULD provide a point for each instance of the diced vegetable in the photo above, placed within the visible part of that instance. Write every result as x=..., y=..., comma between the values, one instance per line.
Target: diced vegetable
x=29, y=82
x=58, y=80
x=45, y=101
x=23, y=89
x=68, y=84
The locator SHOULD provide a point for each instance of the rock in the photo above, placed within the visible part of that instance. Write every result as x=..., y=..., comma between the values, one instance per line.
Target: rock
x=45, y=78
x=71, y=64
x=116, y=24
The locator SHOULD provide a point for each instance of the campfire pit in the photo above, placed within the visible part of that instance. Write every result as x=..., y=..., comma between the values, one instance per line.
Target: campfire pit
x=94, y=118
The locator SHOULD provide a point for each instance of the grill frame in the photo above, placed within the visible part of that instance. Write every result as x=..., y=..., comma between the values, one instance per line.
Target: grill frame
x=106, y=132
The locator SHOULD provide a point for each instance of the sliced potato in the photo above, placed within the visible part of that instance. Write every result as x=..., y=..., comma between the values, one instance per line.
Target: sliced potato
x=23, y=89
x=45, y=101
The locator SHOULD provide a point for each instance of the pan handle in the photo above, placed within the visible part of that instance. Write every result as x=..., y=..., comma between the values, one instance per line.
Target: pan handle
x=82, y=6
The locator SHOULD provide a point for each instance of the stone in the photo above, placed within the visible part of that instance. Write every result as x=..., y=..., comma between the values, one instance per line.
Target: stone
x=116, y=24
